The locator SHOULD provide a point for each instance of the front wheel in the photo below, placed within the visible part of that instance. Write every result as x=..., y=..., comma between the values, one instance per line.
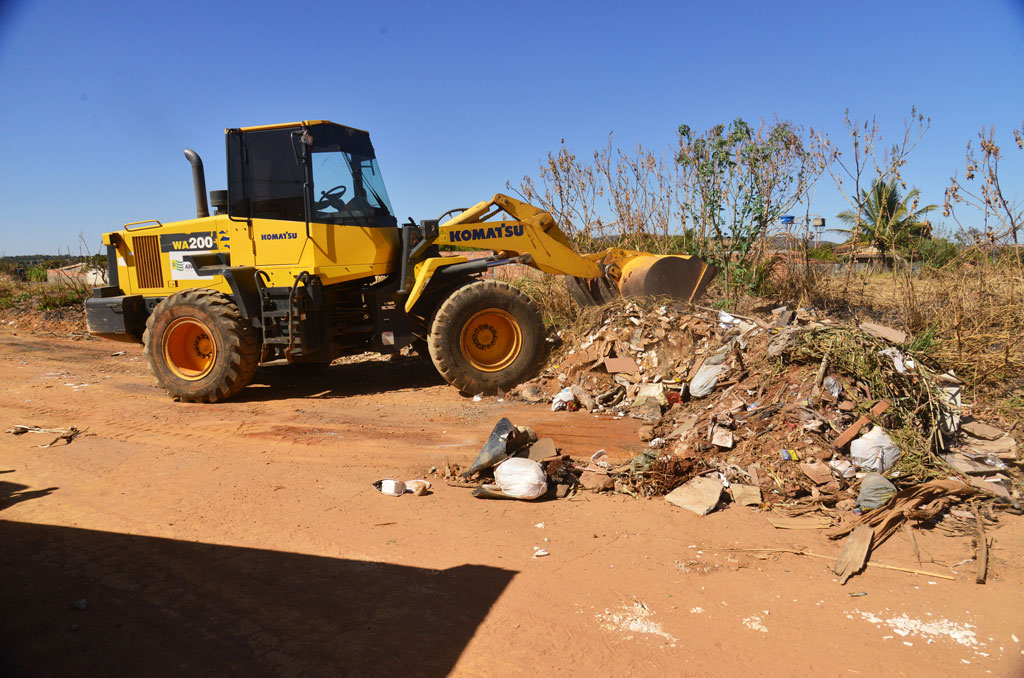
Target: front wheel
x=199, y=346
x=485, y=337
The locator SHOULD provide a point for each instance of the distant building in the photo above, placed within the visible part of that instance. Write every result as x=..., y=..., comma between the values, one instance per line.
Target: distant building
x=80, y=274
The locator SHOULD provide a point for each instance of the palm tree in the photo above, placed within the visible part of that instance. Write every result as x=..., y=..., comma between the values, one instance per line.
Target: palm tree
x=887, y=220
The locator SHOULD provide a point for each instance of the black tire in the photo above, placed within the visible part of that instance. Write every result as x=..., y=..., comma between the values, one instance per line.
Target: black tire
x=486, y=336
x=199, y=346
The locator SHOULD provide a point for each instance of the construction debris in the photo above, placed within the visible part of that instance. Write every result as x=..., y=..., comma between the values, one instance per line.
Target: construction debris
x=390, y=487
x=701, y=495
x=745, y=495
x=503, y=442
x=776, y=411
x=854, y=555
x=980, y=429
x=883, y=332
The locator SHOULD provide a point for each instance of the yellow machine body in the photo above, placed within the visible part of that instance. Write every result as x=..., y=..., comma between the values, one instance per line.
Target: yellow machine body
x=304, y=261
x=531, y=233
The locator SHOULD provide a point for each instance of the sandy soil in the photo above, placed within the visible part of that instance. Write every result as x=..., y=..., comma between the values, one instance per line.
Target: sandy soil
x=244, y=538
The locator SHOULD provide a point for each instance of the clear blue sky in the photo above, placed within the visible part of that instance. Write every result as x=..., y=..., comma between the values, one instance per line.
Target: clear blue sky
x=97, y=100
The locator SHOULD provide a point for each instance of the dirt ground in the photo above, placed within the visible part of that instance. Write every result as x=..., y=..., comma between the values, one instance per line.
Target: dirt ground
x=244, y=538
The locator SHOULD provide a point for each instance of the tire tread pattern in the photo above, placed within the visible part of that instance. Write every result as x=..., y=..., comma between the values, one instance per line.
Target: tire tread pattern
x=445, y=329
x=241, y=345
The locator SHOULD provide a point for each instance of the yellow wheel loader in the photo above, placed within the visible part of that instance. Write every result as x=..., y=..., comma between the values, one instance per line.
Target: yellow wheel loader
x=303, y=261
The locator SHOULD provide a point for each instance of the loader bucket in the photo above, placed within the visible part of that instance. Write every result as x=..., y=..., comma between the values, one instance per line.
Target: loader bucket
x=674, y=275
x=639, y=274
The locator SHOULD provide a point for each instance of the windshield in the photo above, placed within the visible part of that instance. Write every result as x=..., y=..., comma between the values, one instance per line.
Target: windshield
x=347, y=184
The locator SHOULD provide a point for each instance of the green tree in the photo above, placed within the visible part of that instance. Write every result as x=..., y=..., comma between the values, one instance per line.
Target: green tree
x=887, y=219
x=737, y=180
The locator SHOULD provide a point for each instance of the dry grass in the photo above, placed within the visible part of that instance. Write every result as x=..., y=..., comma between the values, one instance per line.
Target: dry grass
x=967, y=316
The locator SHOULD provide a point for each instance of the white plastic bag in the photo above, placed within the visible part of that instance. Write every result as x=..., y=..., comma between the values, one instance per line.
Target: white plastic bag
x=874, y=451
x=521, y=478
x=703, y=383
x=562, y=399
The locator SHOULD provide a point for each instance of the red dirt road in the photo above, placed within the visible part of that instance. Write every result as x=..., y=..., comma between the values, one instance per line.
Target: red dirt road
x=243, y=538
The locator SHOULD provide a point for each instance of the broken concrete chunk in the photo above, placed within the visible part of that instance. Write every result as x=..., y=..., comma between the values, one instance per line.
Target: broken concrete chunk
x=585, y=400
x=883, y=332
x=531, y=393
x=980, y=429
x=656, y=391
x=701, y=495
x=985, y=485
x=596, y=482
x=964, y=464
x=646, y=408
x=1005, y=447
x=745, y=495
x=526, y=434
x=684, y=428
x=818, y=472
x=542, y=449
x=723, y=438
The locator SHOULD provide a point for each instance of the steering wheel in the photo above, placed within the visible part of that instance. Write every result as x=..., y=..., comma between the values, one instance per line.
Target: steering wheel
x=332, y=198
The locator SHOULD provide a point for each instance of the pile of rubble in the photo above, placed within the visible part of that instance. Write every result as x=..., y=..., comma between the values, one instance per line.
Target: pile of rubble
x=777, y=410
x=817, y=423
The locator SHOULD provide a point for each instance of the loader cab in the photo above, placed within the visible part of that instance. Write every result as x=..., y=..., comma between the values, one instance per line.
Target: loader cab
x=312, y=172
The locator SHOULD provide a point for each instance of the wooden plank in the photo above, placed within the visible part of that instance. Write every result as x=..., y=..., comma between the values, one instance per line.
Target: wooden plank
x=982, y=548
x=909, y=531
x=854, y=555
x=849, y=434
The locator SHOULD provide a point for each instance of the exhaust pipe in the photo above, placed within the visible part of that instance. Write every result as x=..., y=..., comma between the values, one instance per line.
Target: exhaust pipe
x=198, y=183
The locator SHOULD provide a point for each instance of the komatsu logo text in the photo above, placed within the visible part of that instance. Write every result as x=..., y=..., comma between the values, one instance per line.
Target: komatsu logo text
x=468, y=234
x=279, y=236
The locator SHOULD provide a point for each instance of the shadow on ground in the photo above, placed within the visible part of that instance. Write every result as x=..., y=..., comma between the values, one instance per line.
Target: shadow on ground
x=341, y=381
x=87, y=603
x=14, y=493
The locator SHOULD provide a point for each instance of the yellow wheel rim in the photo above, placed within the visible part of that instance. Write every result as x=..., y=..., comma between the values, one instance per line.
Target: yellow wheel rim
x=189, y=349
x=491, y=340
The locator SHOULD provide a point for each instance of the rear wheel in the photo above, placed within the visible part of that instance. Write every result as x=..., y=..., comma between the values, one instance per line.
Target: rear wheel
x=486, y=336
x=199, y=346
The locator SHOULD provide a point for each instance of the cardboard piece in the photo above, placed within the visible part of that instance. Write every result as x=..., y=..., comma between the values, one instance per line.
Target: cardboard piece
x=883, y=332
x=614, y=365
x=745, y=495
x=799, y=522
